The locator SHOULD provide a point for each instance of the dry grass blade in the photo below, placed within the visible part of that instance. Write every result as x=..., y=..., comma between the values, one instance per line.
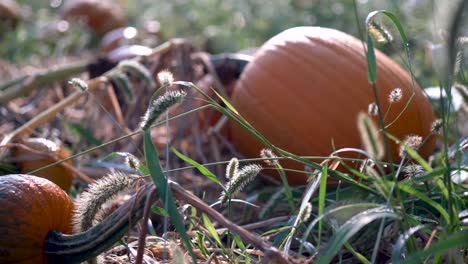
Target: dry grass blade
x=270, y=252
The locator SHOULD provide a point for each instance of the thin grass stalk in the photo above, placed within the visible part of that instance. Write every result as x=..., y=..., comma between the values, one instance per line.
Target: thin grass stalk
x=50, y=112
x=110, y=142
x=373, y=73
x=238, y=119
x=267, y=153
x=447, y=177
x=181, y=193
x=144, y=227
x=454, y=31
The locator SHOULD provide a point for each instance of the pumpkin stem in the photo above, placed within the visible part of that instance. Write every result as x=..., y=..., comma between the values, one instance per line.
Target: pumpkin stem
x=62, y=248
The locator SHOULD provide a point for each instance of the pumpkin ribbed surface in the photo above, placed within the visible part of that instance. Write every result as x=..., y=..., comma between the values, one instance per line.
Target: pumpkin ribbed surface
x=305, y=87
x=30, y=207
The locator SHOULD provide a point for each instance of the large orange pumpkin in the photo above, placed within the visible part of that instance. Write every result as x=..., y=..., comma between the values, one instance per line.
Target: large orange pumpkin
x=30, y=207
x=305, y=87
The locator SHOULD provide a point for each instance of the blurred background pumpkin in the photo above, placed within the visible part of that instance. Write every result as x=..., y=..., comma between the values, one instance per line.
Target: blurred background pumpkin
x=45, y=152
x=305, y=87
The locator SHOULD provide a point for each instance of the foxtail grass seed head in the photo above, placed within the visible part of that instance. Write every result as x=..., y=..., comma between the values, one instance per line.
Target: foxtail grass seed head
x=370, y=136
x=79, y=84
x=159, y=106
x=89, y=203
x=232, y=168
x=371, y=172
x=413, y=170
x=373, y=109
x=305, y=213
x=132, y=162
x=270, y=158
x=411, y=141
x=436, y=127
x=367, y=163
x=395, y=95
x=165, y=78
x=368, y=167
x=245, y=175
x=379, y=33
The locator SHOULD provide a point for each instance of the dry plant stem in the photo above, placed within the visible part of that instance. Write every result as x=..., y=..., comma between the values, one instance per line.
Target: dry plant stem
x=212, y=256
x=431, y=238
x=144, y=228
x=205, y=59
x=184, y=195
x=135, y=133
x=29, y=83
x=116, y=106
x=69, y=167
x=197, y=138
x=76, y=248
x=226, y=143
x=249, y=251
x=50, y=113
x=215, y=150
x=265, y=223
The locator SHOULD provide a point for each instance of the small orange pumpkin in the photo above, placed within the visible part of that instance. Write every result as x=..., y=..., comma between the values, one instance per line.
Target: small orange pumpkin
x=305, y=87
x=30, y=207
x=10, y=15
x=30, y=161
x=101, y=16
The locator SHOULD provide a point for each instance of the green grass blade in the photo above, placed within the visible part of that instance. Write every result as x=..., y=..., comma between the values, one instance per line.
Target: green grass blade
x=423, y=197
x=321, y=201
x=82, y=132
x=212, y=230
x=226, y=102
x=351, y=227
x=197, y=165
x=372, y=71
x=415, y=156
x=239, y=242
x=371, y=61
x=157, y=175
x=399, y=248
x=356, y=254
x=456, y=240
x=359, y=207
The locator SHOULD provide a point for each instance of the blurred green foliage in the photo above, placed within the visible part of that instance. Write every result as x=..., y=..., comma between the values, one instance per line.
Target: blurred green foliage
x=40, y=34
x=224, y=25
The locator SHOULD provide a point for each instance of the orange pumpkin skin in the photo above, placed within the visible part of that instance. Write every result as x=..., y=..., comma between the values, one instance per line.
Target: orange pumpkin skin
x=30, y=161
x=305, y=87
x=30, y=207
